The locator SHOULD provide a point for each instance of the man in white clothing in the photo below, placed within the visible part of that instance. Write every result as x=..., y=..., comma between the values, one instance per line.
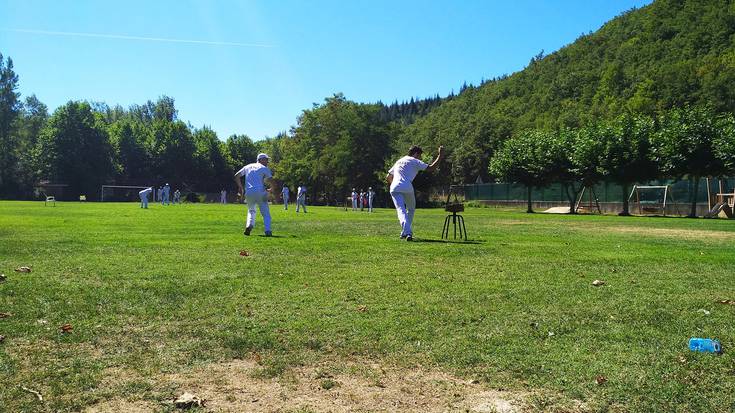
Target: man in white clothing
x=354, y=199
x=256, y=175
x=166, y=194
x=144, y=197
x=223, y=196
x=371, y=196
x=301, y=198
x=284, y=195
x=400, y=177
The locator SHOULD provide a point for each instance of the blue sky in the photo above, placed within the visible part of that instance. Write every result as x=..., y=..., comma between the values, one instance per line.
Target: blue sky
x=253, y=66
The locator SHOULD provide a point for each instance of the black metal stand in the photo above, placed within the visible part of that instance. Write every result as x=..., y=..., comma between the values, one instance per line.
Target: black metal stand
x=458, y=222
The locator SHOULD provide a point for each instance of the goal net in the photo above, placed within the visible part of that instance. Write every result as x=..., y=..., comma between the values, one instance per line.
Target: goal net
x=122, y=193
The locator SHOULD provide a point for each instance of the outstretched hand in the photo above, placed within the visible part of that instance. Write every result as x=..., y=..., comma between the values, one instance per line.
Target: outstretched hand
x=441, y=151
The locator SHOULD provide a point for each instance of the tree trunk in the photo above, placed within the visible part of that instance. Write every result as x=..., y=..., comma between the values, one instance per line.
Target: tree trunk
x=529, y=210
x=571, y=197
x=693, y=198
x=626, y=205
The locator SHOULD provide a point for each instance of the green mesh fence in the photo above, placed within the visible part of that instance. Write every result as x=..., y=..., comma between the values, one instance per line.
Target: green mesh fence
x=606, y=192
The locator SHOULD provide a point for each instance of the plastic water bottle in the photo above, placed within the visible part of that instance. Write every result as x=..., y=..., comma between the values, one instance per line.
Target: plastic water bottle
x=706, y=345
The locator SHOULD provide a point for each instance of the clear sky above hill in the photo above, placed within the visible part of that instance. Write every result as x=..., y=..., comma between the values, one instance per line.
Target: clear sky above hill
x=253, y=66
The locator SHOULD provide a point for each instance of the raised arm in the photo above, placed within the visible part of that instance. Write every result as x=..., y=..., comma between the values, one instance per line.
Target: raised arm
x=438, y=159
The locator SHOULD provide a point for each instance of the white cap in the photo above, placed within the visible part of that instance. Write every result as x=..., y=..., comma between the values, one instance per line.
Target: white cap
x=262, y=156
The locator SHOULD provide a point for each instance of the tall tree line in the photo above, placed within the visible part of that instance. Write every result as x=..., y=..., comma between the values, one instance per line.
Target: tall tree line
x=85, y=145
x=647, y=62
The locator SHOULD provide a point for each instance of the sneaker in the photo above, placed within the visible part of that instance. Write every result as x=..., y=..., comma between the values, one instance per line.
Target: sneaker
x=403, y=236
x=409, y=237
x=247, y=230
x=268, y=234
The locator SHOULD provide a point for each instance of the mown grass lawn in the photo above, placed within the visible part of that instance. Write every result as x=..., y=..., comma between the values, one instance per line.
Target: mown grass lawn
x=164, y=289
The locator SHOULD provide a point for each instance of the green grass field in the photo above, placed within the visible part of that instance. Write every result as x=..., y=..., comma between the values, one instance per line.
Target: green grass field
x=160, y=291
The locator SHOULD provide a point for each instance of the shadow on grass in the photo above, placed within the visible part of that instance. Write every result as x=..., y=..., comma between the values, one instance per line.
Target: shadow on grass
x=444, y=241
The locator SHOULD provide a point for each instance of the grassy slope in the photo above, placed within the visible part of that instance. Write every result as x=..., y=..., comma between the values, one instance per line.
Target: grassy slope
x=151, y=290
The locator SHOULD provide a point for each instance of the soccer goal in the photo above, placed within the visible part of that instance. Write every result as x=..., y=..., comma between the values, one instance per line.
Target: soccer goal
x=652, y=199
x=121, y=193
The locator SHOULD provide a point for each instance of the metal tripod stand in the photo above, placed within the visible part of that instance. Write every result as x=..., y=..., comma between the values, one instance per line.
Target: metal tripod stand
x=456, y=220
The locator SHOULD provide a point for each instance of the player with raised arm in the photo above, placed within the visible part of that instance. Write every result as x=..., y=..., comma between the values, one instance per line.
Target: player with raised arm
x=256, y=174
x=401, y=177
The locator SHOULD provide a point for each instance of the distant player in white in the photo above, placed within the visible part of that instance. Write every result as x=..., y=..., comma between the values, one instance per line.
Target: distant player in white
x=256, y=174
x=284, y=195
x=401, y=177
x=354, y=199
x=177, y=197
x=223, y=196
x=166, y=194
x=144, y=197
x=301, y=198
x=371, y=196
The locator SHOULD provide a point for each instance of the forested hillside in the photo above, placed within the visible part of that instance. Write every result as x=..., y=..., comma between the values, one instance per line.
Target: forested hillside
x=668, y=54
x=646, y=62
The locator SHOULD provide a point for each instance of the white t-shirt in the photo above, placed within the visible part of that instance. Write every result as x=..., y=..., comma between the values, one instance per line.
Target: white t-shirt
x=301, y=192
x=284, y=190
x=146, y=191
x=404, y=171
x=255, y=173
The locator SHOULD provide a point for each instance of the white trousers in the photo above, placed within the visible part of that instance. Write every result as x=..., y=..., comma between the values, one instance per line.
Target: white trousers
x=354, y=204
x=370, y=204
x=144, y=201
x=259, y=199
x=301, y=203
x=405, y=203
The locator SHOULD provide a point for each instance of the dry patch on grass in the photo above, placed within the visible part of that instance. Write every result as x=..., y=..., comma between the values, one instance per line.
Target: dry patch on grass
x=123, y=406
x=690, y=234
x=237, y=386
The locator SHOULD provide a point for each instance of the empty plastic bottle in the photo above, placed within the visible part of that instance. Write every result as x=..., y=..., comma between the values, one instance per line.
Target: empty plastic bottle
x=706, y=345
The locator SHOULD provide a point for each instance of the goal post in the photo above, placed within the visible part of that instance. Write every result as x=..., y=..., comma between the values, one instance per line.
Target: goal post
x=121, y=193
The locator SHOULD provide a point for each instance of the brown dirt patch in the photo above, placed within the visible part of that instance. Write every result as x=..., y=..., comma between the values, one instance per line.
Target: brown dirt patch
x=692, y=234
x=344, y=387
x=123, y=406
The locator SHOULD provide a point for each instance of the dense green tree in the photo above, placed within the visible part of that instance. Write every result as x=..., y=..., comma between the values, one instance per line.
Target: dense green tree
x=172, y=149
x=524, y=159
x=128, y=139
x=74, y=149
x=684, y=145
x=31, y=122
x=241, y=151
x=336, y=146
x=10, y=108
x=625, y=155
x=724, y=144
x=566, y=167
x=212, y=170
